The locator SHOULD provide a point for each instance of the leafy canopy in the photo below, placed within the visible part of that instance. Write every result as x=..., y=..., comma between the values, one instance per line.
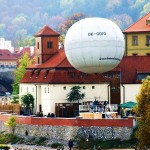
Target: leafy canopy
x=143, y=110
x=11, y=124
x=28, y=100
x=19, y=72
x=63, y=28
x=75, y=94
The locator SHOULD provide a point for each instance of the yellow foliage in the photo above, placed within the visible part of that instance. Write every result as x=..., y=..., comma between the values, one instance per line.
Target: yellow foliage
x=143, y=110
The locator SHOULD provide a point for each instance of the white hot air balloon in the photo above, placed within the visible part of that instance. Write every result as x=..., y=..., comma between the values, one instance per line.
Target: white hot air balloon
x=94, y=45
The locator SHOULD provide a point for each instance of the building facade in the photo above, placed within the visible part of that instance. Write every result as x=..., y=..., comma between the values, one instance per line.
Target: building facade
x=49, y=80
x=137, y=37
x=8, y=62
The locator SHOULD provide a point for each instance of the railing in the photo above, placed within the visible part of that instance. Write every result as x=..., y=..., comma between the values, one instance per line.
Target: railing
x=97, y=108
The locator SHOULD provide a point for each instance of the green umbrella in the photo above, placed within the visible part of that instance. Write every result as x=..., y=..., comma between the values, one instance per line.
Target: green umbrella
x=129, y=104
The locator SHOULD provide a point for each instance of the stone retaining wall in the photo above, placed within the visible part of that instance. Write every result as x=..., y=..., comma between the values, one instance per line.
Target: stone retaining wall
x=67, y=132
x=66, y=128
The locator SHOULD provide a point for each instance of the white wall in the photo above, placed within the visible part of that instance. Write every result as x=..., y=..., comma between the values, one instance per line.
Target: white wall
x=50, y=94
x=6, y=45
x=131, y=90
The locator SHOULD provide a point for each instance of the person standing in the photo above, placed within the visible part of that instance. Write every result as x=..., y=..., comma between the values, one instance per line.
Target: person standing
x=70, y=144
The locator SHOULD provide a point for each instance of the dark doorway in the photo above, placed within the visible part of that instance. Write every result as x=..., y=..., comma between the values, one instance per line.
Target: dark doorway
x=115, y=89
x=66, y=109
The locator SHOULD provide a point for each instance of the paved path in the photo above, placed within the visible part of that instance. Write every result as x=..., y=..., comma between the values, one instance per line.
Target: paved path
x=33, y=147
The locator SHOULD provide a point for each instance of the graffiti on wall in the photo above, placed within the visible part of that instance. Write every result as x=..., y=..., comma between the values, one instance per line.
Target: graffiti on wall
x=96, y=133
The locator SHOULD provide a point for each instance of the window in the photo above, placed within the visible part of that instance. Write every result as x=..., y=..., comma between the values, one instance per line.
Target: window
x=134, y=40
x=64, y=87
x=38, y=60
x=45, y=89
x=147, y=40
x=83, y=87
x=141, y=76
x=134, y=54
x=148, y=21
x=93, y=87
x=38, y=45
x=49, y=45
x=48, y=90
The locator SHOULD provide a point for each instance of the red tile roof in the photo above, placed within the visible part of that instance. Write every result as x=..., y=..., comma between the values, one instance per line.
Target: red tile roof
x=59, y=60
x=131, y=65
x=6, y=55
x=21, y=52
x=46, y=31
x=140, y=25
x=60, y=71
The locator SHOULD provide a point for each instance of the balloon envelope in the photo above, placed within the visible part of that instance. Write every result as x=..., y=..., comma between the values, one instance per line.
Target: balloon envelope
x=94, y=45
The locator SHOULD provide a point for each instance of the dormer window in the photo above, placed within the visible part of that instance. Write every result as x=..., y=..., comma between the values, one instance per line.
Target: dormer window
x=46, y=73
x=38, y=73
x=49, y=44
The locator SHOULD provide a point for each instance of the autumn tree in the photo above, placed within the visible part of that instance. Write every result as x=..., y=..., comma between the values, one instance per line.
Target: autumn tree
x=11, y=124
x=19, y=72
x=63, y=28
x=143, y=111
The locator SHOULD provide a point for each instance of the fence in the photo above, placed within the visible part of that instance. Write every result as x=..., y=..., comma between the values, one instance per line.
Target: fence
x=11, y=108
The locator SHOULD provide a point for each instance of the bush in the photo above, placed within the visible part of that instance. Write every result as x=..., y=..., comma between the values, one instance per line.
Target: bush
x=4, y=147
x=55, y=145
x=9, y=138
x=83, y=144
x=41, y=141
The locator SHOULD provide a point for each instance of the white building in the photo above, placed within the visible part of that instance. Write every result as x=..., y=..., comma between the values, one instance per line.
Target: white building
x=6, y=45
x=50, y=79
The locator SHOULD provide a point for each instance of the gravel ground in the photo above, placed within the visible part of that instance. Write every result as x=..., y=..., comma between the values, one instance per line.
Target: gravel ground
x=32, y=147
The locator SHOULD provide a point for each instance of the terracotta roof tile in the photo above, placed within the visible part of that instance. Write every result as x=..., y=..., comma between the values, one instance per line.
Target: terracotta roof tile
x=140, y=25
x=21, y=52
x=46, y=31
x=56, y=61
x=60, y=71
x=6, y=55
x=131, y=65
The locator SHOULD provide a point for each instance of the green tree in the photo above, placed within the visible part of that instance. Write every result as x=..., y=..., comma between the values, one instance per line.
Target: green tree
x=143, y=110
x=23, y=62
x=28, y=101
x=11, y=124
x=75, y=94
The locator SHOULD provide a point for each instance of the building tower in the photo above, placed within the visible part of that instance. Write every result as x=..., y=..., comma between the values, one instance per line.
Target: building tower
x=46, y=44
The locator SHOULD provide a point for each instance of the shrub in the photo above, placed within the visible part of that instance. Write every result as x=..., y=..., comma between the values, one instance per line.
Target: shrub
x=9, y=138
x=55, y=145
x=4, y=147
x=11, y=124
x=41, y=141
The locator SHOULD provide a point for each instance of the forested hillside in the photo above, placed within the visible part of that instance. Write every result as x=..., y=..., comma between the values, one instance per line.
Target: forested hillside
x=21, y=19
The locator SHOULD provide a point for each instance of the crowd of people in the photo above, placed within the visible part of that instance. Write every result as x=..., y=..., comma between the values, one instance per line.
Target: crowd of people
x=40, y=114
x=98, y=106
